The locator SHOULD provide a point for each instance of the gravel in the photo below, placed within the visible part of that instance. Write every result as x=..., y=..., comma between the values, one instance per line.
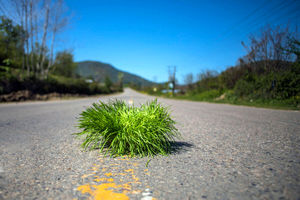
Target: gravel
x=226, y=152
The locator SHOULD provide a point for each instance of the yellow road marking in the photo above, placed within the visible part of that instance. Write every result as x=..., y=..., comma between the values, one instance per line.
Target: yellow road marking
x=109, y=187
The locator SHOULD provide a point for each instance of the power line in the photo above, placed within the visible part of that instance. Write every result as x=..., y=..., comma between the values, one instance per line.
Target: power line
x=241, y=22
x=262, y=18
x=245, y=18
x=2, y=7
x=256, y=26
x=269, y=14
x=287, y=14
x=259, y=19
x=8, y=10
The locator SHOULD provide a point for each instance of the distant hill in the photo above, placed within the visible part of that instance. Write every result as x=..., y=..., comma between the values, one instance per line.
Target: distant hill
x=98, y=71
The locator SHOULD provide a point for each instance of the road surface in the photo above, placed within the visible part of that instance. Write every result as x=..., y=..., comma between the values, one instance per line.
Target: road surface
x=226, y=152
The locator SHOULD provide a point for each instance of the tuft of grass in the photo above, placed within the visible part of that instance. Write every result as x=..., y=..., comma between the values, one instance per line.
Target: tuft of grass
x=120, y=129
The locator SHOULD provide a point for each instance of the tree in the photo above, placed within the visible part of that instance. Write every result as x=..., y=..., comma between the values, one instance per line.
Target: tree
x=59, y=21
x=294, y=48
x=10, y=43
x=207, y=80
x=231, y=75
x=64, y=64
x=108, y=83
x=207, y=74
x=120, y=80
x=188, y=80
x=172, y=77
x=268, y=48
x=41, y=21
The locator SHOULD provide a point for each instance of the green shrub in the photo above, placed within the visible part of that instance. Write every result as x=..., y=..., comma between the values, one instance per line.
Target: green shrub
x=275, y=85
x=207, y=95
x=127, y=130
x=53, y=83
x=244, y=88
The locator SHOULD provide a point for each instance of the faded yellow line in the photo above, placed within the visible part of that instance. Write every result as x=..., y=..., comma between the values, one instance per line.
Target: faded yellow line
x=108, y=187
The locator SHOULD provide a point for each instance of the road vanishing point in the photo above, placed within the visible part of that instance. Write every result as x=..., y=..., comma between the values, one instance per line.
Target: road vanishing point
x=226, y=152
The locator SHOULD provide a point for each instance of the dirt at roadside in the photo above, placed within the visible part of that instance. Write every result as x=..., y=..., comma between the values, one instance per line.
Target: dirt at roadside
x=25, y=95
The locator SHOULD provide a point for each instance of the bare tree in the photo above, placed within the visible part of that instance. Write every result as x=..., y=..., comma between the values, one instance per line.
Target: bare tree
x=42, y=54
x=268, y=48
x=120, y=79
x=59, y=21
x=27, y=36
x=33, y=38
x=206, y=74
x=172, y=77
x=188, y=80
x=294, y=48
x=40, y=19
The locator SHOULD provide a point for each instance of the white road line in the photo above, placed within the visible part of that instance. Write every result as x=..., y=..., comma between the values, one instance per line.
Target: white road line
x=147, y=195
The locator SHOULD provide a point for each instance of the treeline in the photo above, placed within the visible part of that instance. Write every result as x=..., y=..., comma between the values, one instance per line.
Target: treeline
x=29, y=32
x=269, y=72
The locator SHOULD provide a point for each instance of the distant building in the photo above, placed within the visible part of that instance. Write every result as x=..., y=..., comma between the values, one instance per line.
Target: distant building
x=169, y=91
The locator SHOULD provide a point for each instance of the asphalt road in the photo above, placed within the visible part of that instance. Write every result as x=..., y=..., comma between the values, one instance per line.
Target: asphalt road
x=226, y=152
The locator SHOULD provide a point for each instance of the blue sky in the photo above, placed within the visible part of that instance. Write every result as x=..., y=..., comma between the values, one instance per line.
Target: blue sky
x=144, y=37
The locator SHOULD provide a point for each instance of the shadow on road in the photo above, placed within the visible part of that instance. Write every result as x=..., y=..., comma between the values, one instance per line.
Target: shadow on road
x=179, y=147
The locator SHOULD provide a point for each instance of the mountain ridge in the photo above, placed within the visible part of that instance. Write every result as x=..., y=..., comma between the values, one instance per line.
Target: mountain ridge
x=98, y=70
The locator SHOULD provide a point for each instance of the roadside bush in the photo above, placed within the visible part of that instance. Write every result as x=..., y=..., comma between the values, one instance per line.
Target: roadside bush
x=52, y=84
x=280, y=85
x=208, y=95
x=210, y=83
x=287, y=85
x=244, y=88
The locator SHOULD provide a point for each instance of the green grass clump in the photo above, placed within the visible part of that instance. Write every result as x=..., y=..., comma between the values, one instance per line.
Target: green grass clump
x=121, y=129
